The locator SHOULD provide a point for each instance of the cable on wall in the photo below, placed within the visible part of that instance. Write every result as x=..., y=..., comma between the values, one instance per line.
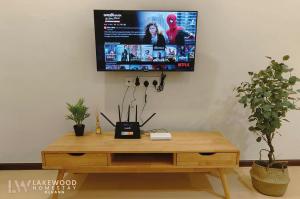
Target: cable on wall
x=133, y=98
x=162, y=82
x=124, y=96
x=146, y=84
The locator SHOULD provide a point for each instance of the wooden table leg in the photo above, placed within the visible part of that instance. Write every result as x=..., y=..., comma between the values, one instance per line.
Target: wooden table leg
x=225, y=184
x=60, y=176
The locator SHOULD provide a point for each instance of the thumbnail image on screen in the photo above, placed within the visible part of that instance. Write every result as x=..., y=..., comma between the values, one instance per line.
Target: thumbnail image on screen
x=145, y=40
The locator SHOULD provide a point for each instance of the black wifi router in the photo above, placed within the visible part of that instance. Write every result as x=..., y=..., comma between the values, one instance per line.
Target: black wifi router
x=127, y=129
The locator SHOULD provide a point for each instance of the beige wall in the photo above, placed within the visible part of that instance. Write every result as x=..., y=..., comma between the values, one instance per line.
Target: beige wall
x=47, y=57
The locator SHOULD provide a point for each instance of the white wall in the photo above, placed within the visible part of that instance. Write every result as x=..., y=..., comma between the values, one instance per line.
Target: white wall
x=47, y=58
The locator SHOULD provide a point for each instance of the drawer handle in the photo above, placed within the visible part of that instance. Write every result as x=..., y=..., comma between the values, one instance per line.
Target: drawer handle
x=207, y=154
x=76, y=154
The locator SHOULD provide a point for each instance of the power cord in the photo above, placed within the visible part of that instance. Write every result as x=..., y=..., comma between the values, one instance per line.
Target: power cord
x=124, y=96
x=162, y=82
x=133, y=98
x=146, y=84
x=136, y=83
x=154, y=83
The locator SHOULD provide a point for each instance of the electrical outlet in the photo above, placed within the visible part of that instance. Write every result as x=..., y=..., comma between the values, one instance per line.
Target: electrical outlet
x=129, y=81
x=150, y=80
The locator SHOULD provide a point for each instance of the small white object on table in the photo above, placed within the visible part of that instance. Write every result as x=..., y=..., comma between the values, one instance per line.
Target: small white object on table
x=160, y=136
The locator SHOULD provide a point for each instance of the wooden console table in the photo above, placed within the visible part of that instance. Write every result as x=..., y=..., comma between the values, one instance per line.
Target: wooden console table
x=186, y=152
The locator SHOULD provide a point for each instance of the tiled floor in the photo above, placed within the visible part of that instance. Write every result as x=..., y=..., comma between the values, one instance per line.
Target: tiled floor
x=140, y=186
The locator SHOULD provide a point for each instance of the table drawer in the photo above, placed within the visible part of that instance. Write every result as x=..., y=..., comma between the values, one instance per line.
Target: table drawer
x=207, y=159
x=74, y=160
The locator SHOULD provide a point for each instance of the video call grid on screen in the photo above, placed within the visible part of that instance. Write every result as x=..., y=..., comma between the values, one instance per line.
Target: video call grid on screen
x=128, y=40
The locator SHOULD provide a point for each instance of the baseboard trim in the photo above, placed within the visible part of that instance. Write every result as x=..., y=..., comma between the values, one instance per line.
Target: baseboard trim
x=20, y=166
x=248, y=163
x=38, y=166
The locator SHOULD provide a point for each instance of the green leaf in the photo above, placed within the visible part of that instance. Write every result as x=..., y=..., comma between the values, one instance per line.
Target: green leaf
x=257, y=101
x=285, y=68
x=275, y=124
x=267, y=115
x=286, y=57
x=252, y=119
x=258, y=139
x=259, y=90
x=243, y=100
x=292, y=80
x=250, y=73
x=298, y=90
x=267, y=94
x=288, y=104
x=251, y=128
x=267, y=107
x=268, y=57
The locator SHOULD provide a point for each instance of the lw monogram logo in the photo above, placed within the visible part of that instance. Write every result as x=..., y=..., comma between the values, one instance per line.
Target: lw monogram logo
x=15, y=186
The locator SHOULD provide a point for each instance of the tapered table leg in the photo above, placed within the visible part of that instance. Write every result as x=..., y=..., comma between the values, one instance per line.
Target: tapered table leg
x=225, y=184
x=60, y=176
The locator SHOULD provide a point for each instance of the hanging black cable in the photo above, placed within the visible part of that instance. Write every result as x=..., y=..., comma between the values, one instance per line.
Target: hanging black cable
x=123, y=101
x=146, y=84
x=162, y=82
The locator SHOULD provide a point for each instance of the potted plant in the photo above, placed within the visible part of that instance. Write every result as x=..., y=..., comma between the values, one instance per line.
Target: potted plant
x=78, y=114
x=270, y=95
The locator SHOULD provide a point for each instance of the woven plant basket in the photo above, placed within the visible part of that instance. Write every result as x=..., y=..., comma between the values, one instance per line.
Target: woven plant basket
x=269, y=181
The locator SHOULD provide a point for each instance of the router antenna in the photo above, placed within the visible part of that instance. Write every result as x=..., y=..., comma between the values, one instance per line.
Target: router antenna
x=108, y=119
x=119, y=113
x=136, y=113
x=148, y=119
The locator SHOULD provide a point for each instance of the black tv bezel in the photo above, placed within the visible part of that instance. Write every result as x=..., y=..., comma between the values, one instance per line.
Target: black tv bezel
x=108, y=70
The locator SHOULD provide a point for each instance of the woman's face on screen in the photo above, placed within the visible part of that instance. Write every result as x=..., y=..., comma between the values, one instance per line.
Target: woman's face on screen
x=152, y=30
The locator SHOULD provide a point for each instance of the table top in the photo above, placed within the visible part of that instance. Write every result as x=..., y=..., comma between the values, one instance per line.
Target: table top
x=181, y=142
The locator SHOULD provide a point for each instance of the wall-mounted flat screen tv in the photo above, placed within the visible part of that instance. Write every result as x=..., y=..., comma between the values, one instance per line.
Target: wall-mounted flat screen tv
x=144, y=40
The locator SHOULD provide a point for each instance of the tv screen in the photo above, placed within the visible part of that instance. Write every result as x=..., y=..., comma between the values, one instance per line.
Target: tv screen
x=128, y=40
